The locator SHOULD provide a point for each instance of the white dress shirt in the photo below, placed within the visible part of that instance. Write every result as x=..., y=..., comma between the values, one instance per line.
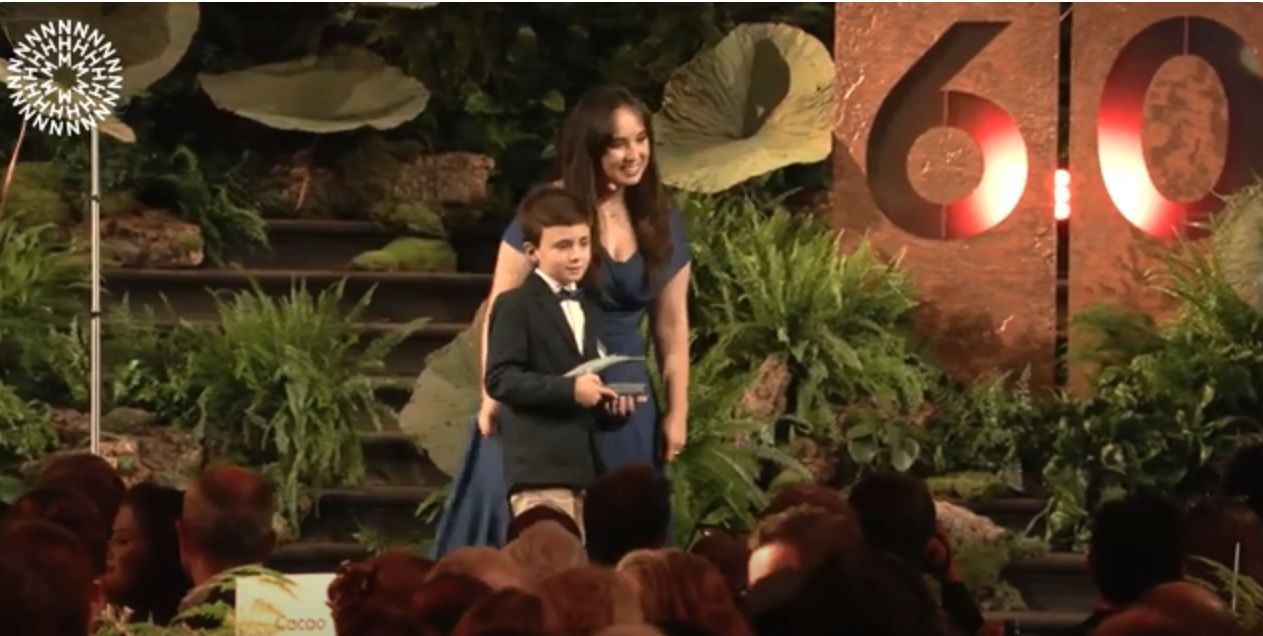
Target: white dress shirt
x=572, y=309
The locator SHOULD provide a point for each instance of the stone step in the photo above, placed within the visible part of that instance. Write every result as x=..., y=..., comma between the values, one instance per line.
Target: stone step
x=392, y=459
x=331, y=244
x=397, y=297
x=405, y=360
x=1057, y=581
x=343, y=514
x=1013, y=513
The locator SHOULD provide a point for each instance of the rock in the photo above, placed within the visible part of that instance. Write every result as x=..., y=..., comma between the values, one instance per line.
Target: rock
x=36, y=195
x=768, y=395
x=151, y=238
x=127, y=420
x=409, y=254
x=136, y=445
x=73, y=427
x=295, y=188
x=454, y=177
x=820, y=460
x=164, y=454
x=964, y=525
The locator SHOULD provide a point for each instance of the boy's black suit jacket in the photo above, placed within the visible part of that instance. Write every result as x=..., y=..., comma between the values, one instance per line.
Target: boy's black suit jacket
x=547, y=436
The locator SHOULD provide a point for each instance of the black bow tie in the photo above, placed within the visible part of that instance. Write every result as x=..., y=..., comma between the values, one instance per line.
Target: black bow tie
x=569, y=294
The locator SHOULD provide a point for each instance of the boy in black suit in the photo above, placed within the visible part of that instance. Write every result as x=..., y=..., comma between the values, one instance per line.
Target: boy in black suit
x=537, y=333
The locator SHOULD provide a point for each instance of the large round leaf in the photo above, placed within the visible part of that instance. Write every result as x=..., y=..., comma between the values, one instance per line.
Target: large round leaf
x=348, y=89
x=760, y=100
x=150, y=38
x=445, y=398
x=1238, y=244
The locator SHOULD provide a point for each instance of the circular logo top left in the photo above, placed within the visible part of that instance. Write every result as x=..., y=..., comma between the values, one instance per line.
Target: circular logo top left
x=65, y=77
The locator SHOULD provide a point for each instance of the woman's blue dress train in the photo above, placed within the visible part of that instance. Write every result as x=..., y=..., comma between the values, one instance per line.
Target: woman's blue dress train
x=477, y=509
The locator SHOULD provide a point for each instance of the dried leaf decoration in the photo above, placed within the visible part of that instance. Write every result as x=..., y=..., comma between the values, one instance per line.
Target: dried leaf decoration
x=151, y=38
x=760, y=100
x=348, y=89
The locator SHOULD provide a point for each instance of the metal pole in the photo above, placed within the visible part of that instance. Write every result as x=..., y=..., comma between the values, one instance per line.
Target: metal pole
x=95, y=345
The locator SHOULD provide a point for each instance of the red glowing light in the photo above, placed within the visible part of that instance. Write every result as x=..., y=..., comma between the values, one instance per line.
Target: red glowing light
x=1127, y=177
x=1061, y=194
x=1004, y=161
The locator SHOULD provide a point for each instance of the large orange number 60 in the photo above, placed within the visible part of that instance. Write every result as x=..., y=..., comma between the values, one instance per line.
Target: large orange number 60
x=918, y=103
x=1119, y=124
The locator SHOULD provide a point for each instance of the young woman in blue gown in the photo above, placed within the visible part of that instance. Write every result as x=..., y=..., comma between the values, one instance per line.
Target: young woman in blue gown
x=642, y=268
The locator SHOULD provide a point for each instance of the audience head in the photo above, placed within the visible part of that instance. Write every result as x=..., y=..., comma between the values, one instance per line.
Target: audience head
x=1197, y=611
x=493, y=567
x=508, y=611
x=799, y=538
x=71, y=510
x=546, y=548
x=680, y=588
x=226, y=522
x=633, y=629
x=1140, y=621
x=380, y=597
x=806, y=494
x=1243, y=476
x=588, y=598
x=1215, y=527
x=540, y=514
x=445, y=598
x=48, y=587
x=88, y=474
x=896, y=513
x=143, y=569
x=729, y=554
x=628, y=509
x=1137, y=543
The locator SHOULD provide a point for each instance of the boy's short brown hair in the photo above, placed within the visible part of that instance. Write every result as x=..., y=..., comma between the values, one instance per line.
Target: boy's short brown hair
x=550, y=206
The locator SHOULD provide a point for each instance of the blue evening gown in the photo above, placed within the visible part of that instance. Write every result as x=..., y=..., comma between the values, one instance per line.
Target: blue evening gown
x=477, y=509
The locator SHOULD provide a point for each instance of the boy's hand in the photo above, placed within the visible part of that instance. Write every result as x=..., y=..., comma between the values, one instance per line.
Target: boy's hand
x=589, y=390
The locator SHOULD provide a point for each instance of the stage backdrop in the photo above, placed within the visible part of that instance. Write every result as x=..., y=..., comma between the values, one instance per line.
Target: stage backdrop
x=946, y=149
x=1166, y=109
x=947, y=141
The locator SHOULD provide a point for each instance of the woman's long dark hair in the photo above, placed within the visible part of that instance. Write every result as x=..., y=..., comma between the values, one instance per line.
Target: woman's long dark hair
x=585, y=136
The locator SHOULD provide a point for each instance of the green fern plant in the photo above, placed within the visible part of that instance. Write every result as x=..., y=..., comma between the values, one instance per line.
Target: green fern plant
x=218, y=203
x=987, y=427
x=715, y=477
x=1229, y=585
x=283, y=381
x=41, y=344
x=26, y=432
x=769, y=282
x=1168, y=401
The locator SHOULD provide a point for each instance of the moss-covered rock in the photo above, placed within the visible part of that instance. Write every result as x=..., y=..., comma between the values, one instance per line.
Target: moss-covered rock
x=36, y=195
x=410, y=254
x=968, y=486
x=376, y=261
x=416, y=217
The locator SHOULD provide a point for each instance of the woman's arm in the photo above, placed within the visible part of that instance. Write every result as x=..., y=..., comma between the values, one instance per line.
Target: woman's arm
x=512, y=267
x=669, y=320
